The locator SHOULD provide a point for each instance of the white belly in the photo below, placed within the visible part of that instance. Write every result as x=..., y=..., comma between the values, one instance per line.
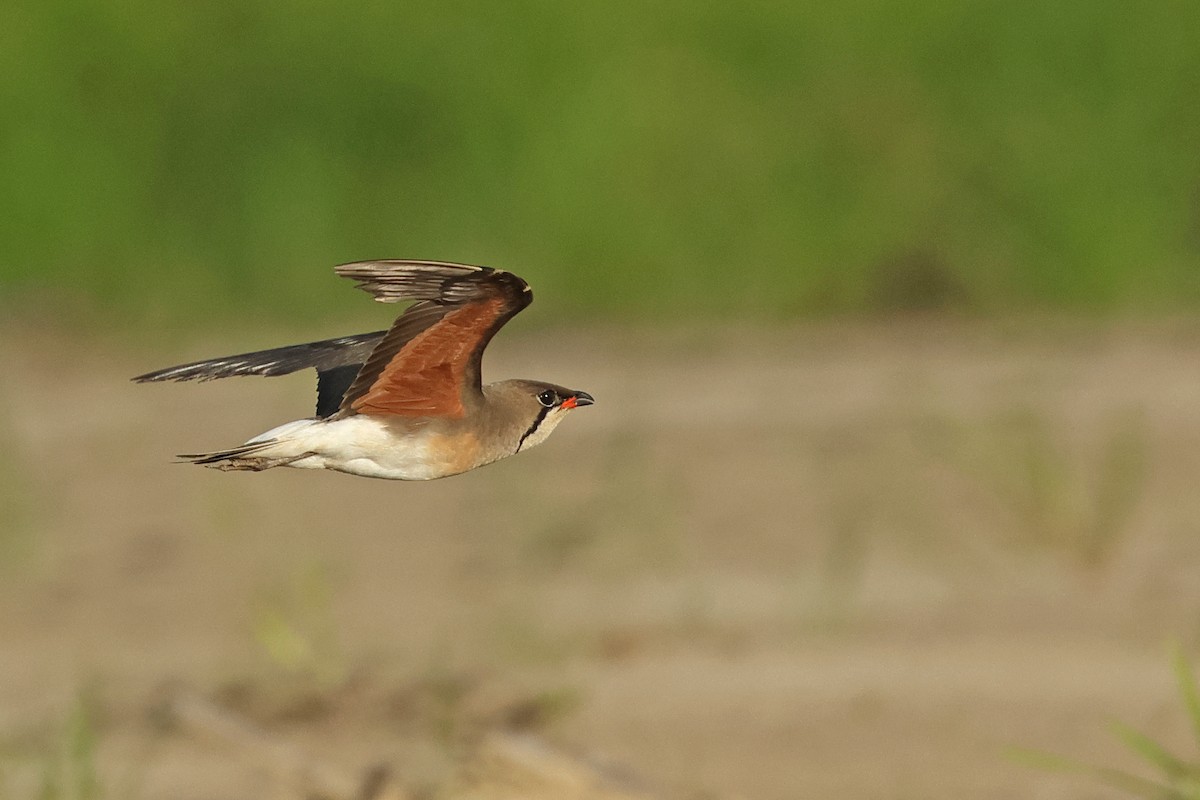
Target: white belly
x=359, y=445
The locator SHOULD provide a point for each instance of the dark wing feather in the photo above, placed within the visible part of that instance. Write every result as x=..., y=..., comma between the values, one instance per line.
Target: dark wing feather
x=428, y=364
x=393, y=280
x=324, y=355
x=331, y=388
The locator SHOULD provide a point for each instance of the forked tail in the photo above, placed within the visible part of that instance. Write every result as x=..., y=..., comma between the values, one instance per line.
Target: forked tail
x=251, y=456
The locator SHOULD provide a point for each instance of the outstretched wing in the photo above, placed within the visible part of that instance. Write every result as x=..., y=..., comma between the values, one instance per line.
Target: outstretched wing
x=337, y=362
x=428, y=363
x=326, y=354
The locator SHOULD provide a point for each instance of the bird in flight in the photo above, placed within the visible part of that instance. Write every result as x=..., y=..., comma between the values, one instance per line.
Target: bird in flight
x=407, y=403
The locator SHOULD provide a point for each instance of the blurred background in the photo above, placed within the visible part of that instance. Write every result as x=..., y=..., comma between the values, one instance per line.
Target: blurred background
x=889, y=309
x=762, y=160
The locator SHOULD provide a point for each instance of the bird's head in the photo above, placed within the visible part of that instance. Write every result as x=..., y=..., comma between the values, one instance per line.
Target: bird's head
x=536, y=408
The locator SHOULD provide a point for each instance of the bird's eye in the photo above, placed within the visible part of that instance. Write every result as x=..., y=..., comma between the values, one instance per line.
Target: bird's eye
x=547, y=398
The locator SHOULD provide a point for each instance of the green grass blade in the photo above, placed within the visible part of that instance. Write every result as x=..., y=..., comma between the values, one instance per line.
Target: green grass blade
x=1185, y=676
x=1117, y=779
x=1150, y=750
x=1140, y=787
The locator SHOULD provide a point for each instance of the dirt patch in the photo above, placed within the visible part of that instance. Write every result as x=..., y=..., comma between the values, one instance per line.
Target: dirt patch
x=849, y=561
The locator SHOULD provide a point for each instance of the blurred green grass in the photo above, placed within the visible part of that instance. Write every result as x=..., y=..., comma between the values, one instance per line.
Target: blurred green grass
x=769, y=159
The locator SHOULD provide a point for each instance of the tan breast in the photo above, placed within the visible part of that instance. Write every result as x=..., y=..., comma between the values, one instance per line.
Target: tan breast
x=450, y=446
x=456, y=452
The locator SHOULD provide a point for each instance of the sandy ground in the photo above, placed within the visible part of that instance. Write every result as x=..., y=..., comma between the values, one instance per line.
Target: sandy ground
x=852, y=561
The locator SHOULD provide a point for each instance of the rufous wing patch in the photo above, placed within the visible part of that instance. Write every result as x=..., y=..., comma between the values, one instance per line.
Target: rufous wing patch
x=426, y=377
